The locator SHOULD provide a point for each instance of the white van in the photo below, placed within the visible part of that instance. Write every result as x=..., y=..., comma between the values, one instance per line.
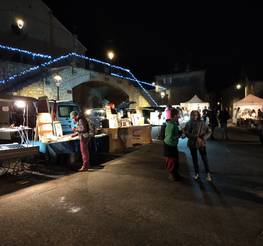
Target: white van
x=60, y=110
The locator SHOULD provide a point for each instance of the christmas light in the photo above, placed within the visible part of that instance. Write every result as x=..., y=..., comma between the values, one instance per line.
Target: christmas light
x=72, y=55
x=5, y=47
x=136, y=80
x=156, y=104
x=33, y=69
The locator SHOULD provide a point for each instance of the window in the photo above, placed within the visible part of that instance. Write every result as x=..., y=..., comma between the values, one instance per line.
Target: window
x=64, y=111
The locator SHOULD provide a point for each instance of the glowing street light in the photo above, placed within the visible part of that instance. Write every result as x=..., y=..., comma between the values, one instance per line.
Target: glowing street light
x=162, y=94
x=20, y=23
x=58, y=80
x=110, y=55
x=238, y=86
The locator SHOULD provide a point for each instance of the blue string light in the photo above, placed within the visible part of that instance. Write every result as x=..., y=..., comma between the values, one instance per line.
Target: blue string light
x=35, y=68
x=45, y=64
x=5, y=47
x=136, y=80
x=156, y=104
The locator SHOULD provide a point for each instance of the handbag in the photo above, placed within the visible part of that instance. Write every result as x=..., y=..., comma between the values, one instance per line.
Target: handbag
x=199, y=141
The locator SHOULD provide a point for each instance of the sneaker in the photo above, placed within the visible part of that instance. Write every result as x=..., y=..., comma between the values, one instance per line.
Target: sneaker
x=196, y=176
x=83, y=169
x=171, y=177
x=209, y=177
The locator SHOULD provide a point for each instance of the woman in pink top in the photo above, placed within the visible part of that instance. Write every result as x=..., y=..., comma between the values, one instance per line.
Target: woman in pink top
x=168, y=112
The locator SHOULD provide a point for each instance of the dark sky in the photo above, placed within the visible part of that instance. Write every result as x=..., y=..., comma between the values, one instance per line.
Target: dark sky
x=152, y=39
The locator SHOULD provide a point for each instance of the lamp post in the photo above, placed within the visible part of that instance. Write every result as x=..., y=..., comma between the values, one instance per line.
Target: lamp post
x=162, y=96
x=110, y=55
x=58, y=80
x=239, y=86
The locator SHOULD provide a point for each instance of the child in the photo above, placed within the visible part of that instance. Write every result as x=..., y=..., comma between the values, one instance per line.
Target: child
x=172, y=135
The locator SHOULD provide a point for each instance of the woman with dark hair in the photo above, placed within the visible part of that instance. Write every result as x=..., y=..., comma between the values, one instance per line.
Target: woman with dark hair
x=172, y=135
x=197, y=132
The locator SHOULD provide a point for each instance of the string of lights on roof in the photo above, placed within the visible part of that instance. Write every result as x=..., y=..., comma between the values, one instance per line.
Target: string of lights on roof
x=55, y=60
x=34, y=69
x=156, y=104
x=33, y=54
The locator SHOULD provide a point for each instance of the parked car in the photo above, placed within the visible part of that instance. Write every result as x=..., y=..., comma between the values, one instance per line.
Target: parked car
x=60, y=110
x=95, y=116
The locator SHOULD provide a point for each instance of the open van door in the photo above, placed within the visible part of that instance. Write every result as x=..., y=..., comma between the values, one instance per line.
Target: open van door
x=62, y=111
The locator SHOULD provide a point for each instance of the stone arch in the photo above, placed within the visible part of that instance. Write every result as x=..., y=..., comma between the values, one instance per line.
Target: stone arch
x=120, y=85
x=91, y=94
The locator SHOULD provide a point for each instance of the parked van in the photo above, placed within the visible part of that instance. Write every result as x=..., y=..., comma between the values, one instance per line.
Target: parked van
x=60, y=110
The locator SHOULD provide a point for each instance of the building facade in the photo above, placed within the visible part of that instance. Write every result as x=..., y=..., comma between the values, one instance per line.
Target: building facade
x=30, y=25
x=183, y=86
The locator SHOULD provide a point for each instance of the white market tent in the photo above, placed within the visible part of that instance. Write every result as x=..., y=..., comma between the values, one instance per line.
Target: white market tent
x=250, y=101
x=247, y=104
x=195, y=103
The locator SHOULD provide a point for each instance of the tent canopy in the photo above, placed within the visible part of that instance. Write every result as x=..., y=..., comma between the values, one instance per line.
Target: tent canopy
x=195, y=103
x=195, y=99
x=249, y=100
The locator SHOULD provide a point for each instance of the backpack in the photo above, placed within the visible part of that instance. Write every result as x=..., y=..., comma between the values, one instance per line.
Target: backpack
x=162, y=131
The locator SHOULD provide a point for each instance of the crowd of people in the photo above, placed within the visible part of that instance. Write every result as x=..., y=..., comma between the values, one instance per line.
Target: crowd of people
x=198, y=129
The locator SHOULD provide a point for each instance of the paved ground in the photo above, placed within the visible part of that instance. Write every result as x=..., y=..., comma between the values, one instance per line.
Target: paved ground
x=131, y=202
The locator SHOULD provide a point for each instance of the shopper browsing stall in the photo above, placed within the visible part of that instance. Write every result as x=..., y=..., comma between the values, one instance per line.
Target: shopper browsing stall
x=83, y=131
x=197, y=132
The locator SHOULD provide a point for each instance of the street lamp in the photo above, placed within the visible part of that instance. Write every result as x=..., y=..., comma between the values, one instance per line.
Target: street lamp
x=58, y=80
x=110, y=55
x=162, y=96
x=238, y=86
x=20, y=23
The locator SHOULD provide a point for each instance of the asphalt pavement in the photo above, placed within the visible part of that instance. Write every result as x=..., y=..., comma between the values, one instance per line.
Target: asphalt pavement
x=130, y=201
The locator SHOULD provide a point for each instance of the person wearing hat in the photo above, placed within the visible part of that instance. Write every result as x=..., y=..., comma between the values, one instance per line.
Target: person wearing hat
x=82, y=130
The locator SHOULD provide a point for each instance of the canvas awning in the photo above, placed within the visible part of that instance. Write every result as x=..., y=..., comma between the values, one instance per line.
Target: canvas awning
x=249, y=100
x=195, y=99
x=195, y=103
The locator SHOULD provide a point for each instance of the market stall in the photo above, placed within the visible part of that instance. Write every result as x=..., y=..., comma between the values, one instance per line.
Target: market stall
x=195, y=103
x=126, y=129
x=15, y=135
x=248, y=110
x=57, y=146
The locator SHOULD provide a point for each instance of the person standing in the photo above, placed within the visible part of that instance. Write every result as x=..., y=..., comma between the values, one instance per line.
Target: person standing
x=205, y=114
x=172, y=135
x=168, y=112
x=224, y=116
x=197, y=132
x=213, y=123
x=82, y=130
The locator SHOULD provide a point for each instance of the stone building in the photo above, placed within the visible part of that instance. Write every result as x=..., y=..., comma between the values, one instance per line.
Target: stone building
x=30, y=24
x=183, y=86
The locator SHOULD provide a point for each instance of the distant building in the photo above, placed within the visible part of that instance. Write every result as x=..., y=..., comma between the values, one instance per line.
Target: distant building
x=183, y=86
x=30, y=25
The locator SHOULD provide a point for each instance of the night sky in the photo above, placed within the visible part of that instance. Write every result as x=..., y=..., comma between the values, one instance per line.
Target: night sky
x=153, y=39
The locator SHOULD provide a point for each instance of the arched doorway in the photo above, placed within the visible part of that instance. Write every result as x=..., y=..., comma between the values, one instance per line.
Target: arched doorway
x=91, y=94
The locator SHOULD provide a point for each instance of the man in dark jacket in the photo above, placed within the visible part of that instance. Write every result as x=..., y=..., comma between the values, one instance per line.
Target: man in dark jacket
x=83, y=131
x=213, y=123
x=223, y=118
